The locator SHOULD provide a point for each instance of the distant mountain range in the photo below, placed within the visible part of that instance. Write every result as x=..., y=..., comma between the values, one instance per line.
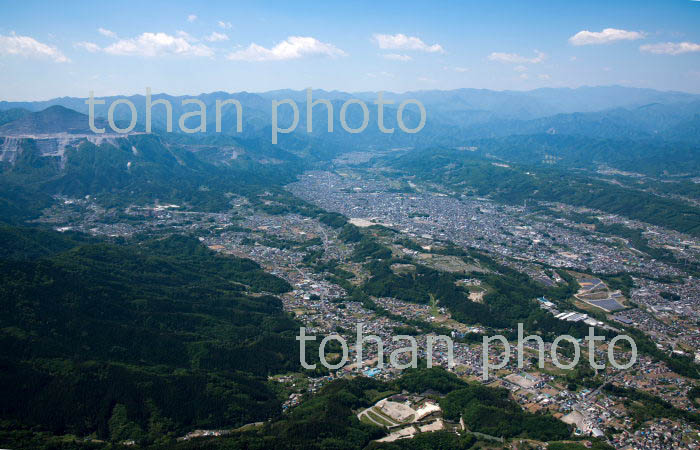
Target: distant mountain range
x=524, y=104
x=453, y=116
x=52, y=120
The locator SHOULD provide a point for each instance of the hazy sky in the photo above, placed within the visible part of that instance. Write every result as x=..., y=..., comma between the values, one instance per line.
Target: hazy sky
x=52, y=49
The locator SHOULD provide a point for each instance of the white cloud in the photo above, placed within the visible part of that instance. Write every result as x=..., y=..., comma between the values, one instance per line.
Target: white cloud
x=520, y=68
x=293, y=47
x=671, y=48
x=426, y=80
x=28, y=46
x=108, y=33
x=403, y=42
x=158, y=44
x=191, y=18
x=187, y=36
x=216, y=37
x=608, y=35
x=224, y=25
x=380, y=74
x=89, y=46
x=456, y=69
x=544, y=76
x=514, y=58
x=397, y=57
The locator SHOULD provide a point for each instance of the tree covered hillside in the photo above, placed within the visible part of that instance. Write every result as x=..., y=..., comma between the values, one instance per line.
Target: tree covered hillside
x=147, y=339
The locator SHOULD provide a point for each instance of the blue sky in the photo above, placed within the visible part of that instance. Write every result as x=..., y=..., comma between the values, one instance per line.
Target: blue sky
x=51, y=49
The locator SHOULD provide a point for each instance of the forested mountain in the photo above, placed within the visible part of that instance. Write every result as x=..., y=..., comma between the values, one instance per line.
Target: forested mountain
x=140, y=168
x=54, y=119
x=9, y=115
x=144, y=340
x=655, y=157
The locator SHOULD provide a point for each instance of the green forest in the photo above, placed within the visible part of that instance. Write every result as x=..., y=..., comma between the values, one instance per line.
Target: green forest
x=150, y=339
x=328, y=421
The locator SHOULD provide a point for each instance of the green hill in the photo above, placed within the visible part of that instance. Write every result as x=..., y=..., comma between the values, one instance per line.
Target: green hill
x=157, y=338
